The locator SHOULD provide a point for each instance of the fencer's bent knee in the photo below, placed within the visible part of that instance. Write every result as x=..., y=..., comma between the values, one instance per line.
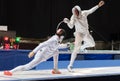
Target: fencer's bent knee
x=92, y=44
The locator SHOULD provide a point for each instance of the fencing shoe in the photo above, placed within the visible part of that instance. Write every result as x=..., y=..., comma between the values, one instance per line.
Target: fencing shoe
x=55, y=71
x=70, y=69
x=7, y=73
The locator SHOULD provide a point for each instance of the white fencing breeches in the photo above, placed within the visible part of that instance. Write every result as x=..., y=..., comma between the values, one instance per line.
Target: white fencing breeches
x=88, y=41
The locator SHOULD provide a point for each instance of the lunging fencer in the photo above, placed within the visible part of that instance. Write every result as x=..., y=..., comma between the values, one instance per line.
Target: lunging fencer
x=43, y=52
x=80, y=22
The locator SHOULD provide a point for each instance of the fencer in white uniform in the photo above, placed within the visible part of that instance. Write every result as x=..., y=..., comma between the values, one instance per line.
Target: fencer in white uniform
x=43, y=52
x=80, y=22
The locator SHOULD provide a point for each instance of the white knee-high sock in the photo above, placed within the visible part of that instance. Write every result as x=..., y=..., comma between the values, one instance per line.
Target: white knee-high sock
x=73, y=57
x=55, y=58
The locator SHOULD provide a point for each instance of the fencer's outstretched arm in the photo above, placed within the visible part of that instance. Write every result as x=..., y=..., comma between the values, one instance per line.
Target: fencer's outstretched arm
x=90, y=11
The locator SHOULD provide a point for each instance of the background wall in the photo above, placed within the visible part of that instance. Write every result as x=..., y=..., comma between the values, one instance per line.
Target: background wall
x=39, y=18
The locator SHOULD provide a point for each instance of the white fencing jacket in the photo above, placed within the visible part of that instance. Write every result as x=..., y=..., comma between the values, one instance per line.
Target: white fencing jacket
x=80, y=22
x=49, y=47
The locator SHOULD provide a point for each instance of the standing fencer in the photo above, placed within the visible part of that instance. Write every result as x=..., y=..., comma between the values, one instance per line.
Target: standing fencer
x=43, y=52
x=80, y=22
